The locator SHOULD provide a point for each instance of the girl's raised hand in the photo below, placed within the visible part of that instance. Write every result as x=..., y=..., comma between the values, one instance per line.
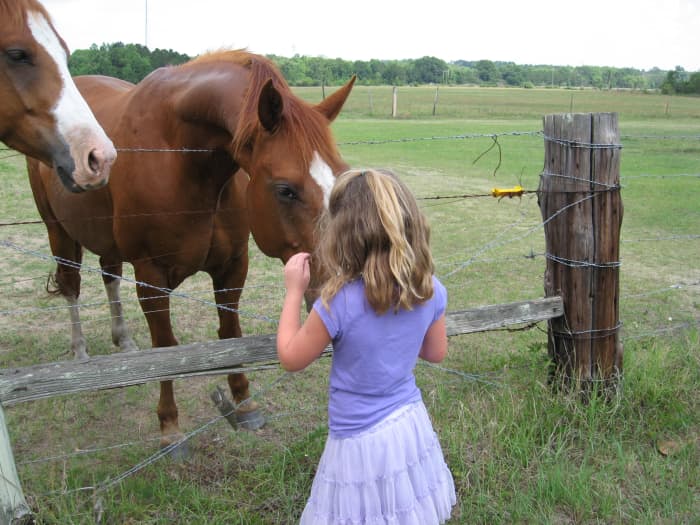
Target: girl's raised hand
x=297, y=272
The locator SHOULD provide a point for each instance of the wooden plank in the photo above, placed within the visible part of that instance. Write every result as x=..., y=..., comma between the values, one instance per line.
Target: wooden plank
x=133, y=368
x=498, y=316
x=217, y=357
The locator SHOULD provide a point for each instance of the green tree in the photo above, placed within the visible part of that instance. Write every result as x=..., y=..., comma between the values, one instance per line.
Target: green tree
x=395, y=73
x=166, y=57
x=463, y=75
x=674, y=81
x=487, y=71
x=693, y=84
x=294, y=69
x=512, y=74
x=130, y=62
x=428, y=70
x=377, y=67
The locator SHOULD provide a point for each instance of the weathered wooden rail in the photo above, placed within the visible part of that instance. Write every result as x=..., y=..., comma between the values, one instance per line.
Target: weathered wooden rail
x=218, y=357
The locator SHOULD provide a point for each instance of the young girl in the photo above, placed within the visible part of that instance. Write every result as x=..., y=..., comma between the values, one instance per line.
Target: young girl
x=382, y=308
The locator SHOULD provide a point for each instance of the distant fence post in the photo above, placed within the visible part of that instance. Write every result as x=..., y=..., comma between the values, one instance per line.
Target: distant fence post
x=579, y=197
x=13, y=507
x=394, y=101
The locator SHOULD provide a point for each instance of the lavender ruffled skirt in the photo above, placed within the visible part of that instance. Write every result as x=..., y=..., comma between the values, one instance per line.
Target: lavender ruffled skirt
x=391, y=474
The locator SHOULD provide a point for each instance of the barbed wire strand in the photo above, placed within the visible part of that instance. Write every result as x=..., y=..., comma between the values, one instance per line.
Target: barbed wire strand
x=174, y=293
x=462, y=136
x=495, y=244
x=166, y=451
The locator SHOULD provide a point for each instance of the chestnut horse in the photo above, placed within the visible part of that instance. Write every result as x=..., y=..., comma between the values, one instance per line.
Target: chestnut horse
x=178, y=208
x=41, y=112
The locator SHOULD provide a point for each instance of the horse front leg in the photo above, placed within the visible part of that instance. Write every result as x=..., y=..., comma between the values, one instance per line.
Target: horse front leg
x=155, y=303
x=66, y=280
x=111, y=277
x=228, y=286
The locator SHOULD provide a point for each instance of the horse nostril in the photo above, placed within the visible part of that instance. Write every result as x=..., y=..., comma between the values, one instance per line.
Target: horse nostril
x=96, y=161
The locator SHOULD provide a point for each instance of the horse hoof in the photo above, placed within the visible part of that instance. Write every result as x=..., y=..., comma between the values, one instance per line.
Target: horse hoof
x=251, y=419
x=81, y=354
x=178, y=451
x=128, y=345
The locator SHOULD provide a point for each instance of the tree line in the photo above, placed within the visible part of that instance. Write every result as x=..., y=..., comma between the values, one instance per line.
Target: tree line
x=681, y=82
x=133, y=62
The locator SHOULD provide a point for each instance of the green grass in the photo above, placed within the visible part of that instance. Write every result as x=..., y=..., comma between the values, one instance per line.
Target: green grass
x=519, y=452
x=507, y=103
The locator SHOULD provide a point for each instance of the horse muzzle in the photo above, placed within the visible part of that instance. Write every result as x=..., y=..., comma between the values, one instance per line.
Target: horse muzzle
x=86, y=168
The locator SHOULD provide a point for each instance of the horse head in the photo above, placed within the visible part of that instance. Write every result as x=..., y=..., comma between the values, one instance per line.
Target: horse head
x=292, y=161
x=41, y=112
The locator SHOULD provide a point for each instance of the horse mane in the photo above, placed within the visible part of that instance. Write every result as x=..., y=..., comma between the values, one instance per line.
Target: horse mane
x=301, y=121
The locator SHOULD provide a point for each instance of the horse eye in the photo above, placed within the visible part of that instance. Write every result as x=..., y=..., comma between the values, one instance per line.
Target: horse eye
x=19, y=56
x=286, y=192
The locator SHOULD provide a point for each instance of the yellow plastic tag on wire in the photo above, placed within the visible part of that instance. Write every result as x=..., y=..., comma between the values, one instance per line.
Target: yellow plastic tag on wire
x=499, y=193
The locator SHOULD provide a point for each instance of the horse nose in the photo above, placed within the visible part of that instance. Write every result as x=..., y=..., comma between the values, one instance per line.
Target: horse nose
x=99, y=162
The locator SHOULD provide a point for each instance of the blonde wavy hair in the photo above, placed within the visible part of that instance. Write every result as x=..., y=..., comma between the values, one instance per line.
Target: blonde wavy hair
x=374, y=229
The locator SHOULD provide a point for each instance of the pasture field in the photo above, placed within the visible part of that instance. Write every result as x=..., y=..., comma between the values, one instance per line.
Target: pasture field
x=519, y=453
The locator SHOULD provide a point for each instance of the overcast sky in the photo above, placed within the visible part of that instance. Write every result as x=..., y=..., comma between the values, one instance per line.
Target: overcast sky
x=640, y=33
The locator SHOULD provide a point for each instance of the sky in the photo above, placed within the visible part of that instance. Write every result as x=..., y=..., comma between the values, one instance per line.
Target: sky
x=642, y=34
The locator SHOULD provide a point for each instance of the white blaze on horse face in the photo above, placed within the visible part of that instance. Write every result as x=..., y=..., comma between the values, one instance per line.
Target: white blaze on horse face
x=323, y=175
x=72, y=113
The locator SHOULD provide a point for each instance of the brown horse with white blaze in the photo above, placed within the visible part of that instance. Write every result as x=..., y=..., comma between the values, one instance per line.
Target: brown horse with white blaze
x=41, y=112
x=178, y=208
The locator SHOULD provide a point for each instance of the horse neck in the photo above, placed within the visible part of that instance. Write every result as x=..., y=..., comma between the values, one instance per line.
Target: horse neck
x=199, y=97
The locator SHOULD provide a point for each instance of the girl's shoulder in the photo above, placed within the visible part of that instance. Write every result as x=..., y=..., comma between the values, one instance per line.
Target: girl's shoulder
x=438, y=287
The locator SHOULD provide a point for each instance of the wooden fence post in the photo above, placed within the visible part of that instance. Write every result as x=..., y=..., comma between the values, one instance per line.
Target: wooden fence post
x=579, y=197
x=13, y=507
x=394, y=101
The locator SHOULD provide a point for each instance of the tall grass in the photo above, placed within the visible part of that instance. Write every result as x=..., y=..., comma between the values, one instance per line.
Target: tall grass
x=519, y=452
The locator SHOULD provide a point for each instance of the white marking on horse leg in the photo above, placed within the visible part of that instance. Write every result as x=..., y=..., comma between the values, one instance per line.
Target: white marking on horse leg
x=120, y=333
x=77, y=345
x=323, y=175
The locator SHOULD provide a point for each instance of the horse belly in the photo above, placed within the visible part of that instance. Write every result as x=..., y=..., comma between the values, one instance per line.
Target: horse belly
x=164, y=240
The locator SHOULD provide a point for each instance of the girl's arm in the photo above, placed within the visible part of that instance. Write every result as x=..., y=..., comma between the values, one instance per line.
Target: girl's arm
x=434, y=347
x=298, y=345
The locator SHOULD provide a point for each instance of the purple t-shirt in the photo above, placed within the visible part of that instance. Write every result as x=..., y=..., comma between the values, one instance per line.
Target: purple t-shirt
x=373, y=356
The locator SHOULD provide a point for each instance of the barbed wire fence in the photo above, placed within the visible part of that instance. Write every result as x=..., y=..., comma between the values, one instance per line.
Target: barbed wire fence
x=451, y=264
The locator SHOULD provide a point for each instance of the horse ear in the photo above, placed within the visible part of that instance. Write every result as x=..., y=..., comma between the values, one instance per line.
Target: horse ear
x=331, y=105
x=270, y=107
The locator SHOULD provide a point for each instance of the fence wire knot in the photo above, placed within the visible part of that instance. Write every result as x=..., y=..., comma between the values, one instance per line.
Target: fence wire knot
x=580, y=144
